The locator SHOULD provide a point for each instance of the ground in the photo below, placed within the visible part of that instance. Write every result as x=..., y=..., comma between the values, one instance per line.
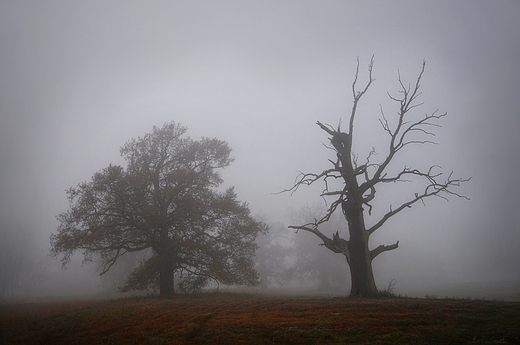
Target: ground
x=226, y=318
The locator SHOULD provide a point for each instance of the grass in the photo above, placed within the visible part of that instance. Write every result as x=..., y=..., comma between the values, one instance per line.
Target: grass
x=246, y=319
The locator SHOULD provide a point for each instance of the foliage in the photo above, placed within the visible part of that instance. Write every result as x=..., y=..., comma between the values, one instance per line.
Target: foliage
x=145, y=276
x=165, y=199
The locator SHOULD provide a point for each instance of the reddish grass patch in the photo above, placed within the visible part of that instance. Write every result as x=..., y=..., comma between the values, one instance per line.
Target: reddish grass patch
x=241, y=319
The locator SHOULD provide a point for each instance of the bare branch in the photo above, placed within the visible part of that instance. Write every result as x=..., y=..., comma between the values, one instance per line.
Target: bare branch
x=399, y=136
x=309, y=178
x=327, y=129
x=382, y=248
x=336, y=244
x=433, y=189
x=338, y=138
x=358, y=94
x=417, y=126
x=430, y=175
x=384, y=121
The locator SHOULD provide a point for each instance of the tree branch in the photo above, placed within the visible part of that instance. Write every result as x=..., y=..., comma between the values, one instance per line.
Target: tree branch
x=382, y=248
x=336, y=244
x=433, y=189
x=400, y=134
x=310, y=178
x=358, y=94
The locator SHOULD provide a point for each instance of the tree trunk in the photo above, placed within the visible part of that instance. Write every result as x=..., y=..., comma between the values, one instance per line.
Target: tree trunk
x=362, y=276
x=166, y=286
x=166, y=283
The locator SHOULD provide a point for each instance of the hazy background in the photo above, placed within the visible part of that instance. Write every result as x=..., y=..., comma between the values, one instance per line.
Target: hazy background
x=80, y=78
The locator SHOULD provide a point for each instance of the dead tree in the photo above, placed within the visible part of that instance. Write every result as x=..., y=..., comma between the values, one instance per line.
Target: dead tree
x=360, y=181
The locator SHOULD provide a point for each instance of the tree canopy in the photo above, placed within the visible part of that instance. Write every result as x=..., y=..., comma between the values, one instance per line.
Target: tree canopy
x=166, y=200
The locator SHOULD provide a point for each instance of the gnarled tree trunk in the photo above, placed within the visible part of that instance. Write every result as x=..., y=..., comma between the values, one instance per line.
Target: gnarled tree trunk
x=360, y=181
x=362, y=277
x=358, y=254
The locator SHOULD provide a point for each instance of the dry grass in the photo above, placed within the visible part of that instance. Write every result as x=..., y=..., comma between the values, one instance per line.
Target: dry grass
x=245, y=319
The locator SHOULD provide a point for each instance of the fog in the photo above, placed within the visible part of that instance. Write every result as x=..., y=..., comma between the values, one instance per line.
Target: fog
x=79, y=79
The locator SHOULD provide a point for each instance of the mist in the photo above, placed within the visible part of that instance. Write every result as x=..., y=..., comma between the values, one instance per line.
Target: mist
x=79, y=79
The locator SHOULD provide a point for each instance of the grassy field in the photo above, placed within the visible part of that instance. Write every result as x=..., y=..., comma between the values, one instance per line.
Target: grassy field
x=502, y=291
x=252, y=319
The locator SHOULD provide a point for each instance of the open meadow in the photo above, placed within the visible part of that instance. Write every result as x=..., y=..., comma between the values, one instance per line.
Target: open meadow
x=225, y=318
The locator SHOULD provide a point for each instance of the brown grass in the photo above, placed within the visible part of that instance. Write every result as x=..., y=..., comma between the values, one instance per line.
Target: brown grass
x=245, y=319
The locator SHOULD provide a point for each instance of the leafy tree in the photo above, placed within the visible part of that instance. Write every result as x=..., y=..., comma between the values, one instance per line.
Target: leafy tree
x=167, y=200
x=359, y=181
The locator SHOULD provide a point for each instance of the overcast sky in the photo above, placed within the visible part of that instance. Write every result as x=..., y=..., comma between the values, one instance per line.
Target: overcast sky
x=80, y=78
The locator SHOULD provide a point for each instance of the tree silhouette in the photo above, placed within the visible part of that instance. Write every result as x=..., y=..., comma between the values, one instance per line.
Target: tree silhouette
x=166, y=200
x=360, y=180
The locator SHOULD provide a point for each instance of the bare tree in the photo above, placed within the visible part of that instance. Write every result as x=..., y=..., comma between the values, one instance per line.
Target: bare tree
x=359, y=182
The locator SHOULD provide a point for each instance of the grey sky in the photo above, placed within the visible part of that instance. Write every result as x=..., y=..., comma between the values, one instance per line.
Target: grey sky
x=78, y=79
